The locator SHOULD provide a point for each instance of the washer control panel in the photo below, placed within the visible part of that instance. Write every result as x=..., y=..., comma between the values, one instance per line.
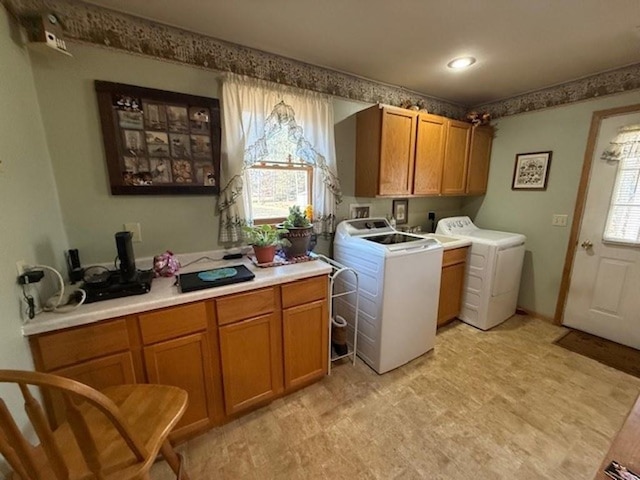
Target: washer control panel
x=456, y=226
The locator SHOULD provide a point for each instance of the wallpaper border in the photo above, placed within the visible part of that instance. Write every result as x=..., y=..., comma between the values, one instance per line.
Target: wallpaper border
x=99, y=26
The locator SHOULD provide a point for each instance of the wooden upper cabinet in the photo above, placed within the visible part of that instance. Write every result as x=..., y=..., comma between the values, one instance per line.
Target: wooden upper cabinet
x=385, y=151
x=454, y=175
x=479, y=156
x=404, y=153
x=429, y=158
x=397, y=152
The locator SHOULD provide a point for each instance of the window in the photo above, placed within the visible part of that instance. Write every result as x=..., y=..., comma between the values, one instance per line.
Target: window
x=623, y=219
x=275, y=187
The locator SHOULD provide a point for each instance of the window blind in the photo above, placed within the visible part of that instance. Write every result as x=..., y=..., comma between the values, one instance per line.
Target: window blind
x=623, y=219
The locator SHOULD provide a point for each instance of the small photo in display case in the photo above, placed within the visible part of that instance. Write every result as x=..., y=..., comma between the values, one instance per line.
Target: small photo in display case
x=155, y=116
x=160, y=170
x=178, y=121
x=131, y=120
x=180, y=145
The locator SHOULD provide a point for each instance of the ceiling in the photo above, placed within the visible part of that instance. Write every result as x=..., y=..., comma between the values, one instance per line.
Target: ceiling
x=520, y=45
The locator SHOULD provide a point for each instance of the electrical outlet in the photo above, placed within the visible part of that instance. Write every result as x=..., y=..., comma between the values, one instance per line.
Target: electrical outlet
x=134, y=228
x=431, y=216
x=559, y=220
x=21, y=266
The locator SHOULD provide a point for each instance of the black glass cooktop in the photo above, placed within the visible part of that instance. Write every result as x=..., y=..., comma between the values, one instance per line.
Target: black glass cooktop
x=393, y=238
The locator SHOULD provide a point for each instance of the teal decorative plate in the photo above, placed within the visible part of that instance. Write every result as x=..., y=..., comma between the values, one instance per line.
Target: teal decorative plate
x=217, y=274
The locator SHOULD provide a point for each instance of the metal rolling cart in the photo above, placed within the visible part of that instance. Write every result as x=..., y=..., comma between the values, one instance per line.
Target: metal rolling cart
x=346, y=278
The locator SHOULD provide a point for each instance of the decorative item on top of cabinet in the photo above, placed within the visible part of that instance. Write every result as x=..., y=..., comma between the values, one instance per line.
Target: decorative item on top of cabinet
x=451, y=283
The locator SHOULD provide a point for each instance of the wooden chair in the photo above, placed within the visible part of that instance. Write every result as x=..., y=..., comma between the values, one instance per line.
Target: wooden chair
x=114, y=434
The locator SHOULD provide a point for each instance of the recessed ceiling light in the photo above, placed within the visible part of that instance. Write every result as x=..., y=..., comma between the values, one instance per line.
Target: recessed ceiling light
x=462, y=62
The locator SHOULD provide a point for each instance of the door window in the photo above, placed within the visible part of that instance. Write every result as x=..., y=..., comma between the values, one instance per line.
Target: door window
x=623, y=219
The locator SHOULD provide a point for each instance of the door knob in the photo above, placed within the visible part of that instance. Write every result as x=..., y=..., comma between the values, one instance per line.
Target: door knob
x=586, y=244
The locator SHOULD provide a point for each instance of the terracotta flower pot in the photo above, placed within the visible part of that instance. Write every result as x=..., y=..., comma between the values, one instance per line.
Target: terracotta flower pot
x=264, y=254
x=300, y=239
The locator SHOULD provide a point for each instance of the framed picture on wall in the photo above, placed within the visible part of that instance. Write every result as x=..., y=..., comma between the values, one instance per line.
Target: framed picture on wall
x=359, y=210
x=400, y=211
x=159, y=142
x=531, y=171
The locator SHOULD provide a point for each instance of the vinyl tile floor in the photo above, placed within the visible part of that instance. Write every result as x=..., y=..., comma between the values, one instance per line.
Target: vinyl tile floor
x=501, y=404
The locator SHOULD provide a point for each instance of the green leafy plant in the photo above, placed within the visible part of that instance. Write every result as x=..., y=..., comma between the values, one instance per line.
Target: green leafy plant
x=263, y=235
x=297, y=218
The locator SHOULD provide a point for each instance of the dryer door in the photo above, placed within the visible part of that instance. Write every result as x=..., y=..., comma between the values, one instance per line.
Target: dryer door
x=506, y=276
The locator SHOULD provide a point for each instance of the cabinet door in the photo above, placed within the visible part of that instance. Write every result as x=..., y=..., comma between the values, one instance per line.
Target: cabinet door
x=185, y=362
x=251, y=357
x=430, y=143
x=479, y=156
x=454, y=176
x=306, y=336
x=451, y=284
x=98, y=373
x=397, y=152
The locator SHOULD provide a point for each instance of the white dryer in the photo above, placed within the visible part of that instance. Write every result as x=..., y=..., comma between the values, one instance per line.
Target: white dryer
x=399, y=280
x=494, y=268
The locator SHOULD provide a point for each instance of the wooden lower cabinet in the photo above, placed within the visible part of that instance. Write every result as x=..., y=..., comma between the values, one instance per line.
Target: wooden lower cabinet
x=230, y=354
x=451, y=284
x=251, y=358
x=306, y=336
x=98, y=373
x=185, y=362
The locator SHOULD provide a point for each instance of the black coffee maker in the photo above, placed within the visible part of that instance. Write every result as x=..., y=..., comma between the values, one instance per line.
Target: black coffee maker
x=125, y=281
x=124, y=245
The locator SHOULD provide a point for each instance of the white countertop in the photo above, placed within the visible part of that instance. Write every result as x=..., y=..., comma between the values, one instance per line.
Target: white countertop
x=164, y=293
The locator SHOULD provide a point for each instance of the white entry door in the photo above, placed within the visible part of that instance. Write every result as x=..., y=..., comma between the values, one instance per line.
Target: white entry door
x=604, y=293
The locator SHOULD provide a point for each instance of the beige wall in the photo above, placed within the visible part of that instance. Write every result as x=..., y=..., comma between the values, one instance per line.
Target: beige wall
x=563, y=130
x=30, y=215
x=70, y=113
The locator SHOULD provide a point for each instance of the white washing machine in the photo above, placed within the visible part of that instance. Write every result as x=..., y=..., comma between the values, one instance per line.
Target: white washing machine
x=399, y=279
x=494, y=268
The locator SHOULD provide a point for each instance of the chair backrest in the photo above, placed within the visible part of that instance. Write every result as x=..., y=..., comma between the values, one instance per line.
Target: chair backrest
x=25, y=459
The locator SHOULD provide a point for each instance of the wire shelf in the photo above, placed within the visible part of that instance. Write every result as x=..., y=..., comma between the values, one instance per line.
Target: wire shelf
x=339, y=272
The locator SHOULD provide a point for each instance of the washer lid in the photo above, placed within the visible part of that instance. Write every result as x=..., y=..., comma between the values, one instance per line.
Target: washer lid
x=493, y=237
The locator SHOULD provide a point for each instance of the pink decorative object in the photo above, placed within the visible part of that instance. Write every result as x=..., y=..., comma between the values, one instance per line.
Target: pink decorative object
x=166, y=264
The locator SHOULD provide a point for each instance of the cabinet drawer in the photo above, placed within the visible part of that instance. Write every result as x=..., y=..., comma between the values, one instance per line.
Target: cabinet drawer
x=457, y=255
x=304, y=291
x=59, y=349
x=173, y=322
x=245, y=305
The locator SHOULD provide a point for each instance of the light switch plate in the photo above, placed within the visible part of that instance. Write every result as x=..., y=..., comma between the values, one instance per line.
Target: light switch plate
x=134, y=228
x=559, y=220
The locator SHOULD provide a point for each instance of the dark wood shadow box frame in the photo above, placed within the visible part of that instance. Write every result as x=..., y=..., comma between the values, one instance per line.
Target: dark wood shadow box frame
x=174, y=151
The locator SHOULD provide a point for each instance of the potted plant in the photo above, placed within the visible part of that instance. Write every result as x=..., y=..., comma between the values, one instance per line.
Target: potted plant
x=299, y=230
x=264, y=239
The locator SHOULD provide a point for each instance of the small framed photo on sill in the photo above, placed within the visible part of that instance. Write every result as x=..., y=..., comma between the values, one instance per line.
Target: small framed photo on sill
x=400, y=211
x=531, y=171
x=359, y=210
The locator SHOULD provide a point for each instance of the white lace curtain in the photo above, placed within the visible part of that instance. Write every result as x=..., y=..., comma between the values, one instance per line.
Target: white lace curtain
x=625, y=144
x=252, y=111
